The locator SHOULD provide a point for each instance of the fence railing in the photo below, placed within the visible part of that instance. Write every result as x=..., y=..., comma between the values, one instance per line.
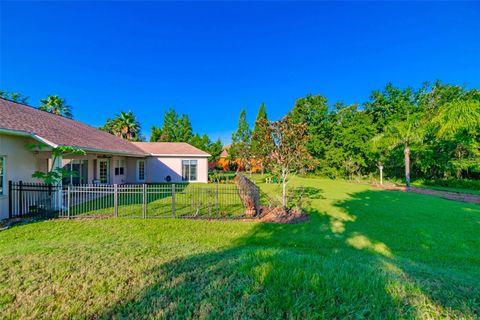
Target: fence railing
x=152, y=201
x=138, y=200
x=32, y=199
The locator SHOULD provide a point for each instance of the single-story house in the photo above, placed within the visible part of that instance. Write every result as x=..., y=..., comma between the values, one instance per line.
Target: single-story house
x=108, y=159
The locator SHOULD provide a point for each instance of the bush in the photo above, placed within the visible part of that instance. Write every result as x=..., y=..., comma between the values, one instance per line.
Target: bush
x=454, y=183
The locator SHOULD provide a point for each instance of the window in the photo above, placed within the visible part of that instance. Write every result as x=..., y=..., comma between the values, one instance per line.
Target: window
x=2, y=176
x=78, y=172
x=120, y=167
x=140, y=170
x=189, y=170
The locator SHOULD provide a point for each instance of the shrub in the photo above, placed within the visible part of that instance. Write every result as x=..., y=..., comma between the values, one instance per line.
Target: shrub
x=454, y=183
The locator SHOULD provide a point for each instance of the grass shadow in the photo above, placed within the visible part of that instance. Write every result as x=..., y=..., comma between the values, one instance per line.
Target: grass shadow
x=393, y=262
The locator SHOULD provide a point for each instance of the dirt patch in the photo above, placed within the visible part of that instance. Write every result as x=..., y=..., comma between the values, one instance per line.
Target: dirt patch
x=457, y=196
x=280, y=215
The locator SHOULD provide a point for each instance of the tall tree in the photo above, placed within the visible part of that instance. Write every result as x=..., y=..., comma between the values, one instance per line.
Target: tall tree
x=56, y=105
x=124, y=125
x=392, y=104
x=240, y=148
x=14, y=96
x=128, y=126
x=175, y=128
x=312, y=110
x=259, y=138
x=288, y=153
x=404, y=133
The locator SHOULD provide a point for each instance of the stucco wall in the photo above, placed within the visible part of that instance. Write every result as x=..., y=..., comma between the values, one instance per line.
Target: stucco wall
x=20, y=164
x=157, y=168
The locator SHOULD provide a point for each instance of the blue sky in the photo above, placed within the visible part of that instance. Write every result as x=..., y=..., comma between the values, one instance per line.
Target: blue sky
x=211, y=59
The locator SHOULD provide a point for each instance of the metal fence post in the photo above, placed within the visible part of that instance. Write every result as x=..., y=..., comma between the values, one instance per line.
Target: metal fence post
x=10, y=199
x=20, y=198
x=173, y=200
x=115, y=200
x=68, y=201
x=144, y=206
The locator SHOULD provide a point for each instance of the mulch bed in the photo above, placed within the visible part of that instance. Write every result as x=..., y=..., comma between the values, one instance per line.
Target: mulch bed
x=280, y=215
x=457, y=196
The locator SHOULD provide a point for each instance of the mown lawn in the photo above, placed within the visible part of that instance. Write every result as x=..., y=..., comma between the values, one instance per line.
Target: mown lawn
x=364, y=254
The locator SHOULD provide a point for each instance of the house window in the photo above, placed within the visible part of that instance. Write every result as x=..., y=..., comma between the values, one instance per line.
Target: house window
x=140, y=170
x=2, y=176
x=77, y=172
x=189, y=170
x=120, y=167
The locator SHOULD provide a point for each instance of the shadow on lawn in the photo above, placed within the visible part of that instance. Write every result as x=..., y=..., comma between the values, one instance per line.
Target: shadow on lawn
x=377, y=265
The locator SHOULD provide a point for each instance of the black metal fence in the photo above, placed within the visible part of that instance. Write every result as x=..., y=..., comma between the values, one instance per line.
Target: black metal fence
x=211, y=201
x=27, y=199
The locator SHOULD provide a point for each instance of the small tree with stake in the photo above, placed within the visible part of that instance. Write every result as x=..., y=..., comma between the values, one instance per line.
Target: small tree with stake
x=287, y=154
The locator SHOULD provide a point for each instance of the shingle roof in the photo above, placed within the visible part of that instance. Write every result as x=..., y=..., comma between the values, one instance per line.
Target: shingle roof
x=60, y=130
x=170, y=148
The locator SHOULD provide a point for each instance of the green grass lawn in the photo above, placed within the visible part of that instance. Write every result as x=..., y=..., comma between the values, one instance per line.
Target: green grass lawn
x=365, y=253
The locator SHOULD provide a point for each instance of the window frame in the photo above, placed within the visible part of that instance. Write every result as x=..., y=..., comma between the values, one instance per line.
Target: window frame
x=83, y=168
x=137, y=170
x=119, y=168
x=189, y=163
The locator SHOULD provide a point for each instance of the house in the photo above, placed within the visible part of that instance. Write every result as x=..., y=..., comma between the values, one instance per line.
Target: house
x=108, y=159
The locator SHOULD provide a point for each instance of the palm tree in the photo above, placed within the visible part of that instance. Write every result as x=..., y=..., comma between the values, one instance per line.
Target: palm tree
x=126, y=126
x=406, y=133
x=56, y=105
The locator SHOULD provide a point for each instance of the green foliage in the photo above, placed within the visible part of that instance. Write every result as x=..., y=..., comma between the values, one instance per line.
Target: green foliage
x=178, y=128
x=313, y=111
x=454, y=183
x=241, y=142
x=175, y=128
x=56, y=105
x=435, y=128
x=14, y=96
x=54, y=175
x=287, y=154
x=125, y=125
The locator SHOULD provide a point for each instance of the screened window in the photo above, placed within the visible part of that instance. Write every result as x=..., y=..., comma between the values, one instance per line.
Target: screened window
x=189, y=170
x=120, y=167
x=77, y=172
x=2, y=176
x=141, y=170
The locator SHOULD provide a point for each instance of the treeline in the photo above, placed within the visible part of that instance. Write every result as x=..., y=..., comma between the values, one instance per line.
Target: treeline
x=178, y=128
x=431, y=132
x=175, y=128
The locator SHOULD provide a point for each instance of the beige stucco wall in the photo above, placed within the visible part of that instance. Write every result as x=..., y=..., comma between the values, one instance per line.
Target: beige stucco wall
x=93, y=167
x=157, y=168
x=21, y=163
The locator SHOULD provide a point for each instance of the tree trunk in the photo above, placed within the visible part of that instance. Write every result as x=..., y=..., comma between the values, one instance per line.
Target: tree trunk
x=407, y=165
x=381, y=174
x=284, y=191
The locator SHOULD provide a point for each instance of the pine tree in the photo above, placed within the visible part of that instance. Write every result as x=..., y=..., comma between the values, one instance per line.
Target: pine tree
x=240, y=148
x=258, y=137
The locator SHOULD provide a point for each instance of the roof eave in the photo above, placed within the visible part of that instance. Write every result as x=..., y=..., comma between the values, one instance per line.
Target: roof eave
x=28, y=134
x=179, y=155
